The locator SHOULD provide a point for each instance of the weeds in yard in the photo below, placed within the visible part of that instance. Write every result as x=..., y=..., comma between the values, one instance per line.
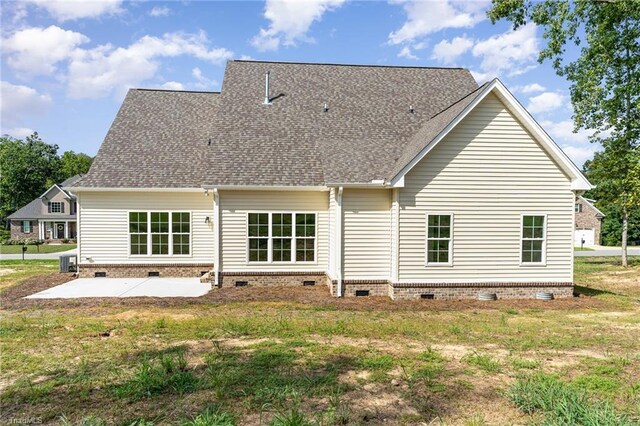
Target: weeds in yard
x=212, y=416
x=562, y=404
x=525, y=364
x=169, y=374
x=291, y=417
x=483, y=362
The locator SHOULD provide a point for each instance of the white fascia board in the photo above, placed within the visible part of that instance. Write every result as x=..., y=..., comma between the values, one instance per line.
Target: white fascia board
x=265, y=188
x=578, y=181
x=55, y=185
x=103, y=189
x=591, y=203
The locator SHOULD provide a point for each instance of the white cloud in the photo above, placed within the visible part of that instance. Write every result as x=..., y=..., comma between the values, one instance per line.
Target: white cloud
x=512, y=52
x=529, y=88
x=448, y=51
x=17, y=101
x=290, y=21
x=427, y=17
x=202, y=83
x=563, y=131
x=172, y=85
x=580, y=154
x=160, y=11
x=405, y=52
x=37, y=51
x=18, y=132
x=64, y=10
x=545, y=102
x=106, y=70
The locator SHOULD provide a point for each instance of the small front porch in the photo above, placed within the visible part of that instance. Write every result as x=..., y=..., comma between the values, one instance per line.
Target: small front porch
x=57, y=230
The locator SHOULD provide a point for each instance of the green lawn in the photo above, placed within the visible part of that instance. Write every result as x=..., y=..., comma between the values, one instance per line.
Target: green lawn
x=45, y=248
x=294, y=363
x=583, y=249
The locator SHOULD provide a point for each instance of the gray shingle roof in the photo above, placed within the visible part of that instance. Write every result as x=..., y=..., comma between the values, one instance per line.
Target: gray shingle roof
x=37, y=209
x=159, y=138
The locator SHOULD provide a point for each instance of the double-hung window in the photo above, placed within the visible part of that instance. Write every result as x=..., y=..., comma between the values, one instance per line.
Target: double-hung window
x=533, y=239
x=160, y=233
x=281, y=237
x=26, y=226
x=439, y=238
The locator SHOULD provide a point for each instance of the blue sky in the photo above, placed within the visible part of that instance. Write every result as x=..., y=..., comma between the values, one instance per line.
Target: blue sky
x=66, y=65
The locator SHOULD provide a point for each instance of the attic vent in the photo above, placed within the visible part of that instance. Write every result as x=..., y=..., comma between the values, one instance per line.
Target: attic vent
x=267, y=100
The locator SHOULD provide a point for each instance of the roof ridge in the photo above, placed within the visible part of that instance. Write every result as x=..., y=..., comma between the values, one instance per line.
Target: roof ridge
x=347, y=65
x=144, y=89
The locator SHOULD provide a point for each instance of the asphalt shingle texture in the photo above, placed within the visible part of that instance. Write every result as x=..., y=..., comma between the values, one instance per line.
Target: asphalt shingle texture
x=160, y=138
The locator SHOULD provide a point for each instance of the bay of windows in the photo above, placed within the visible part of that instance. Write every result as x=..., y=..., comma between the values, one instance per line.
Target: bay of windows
x=159, y=233
x=281, y=237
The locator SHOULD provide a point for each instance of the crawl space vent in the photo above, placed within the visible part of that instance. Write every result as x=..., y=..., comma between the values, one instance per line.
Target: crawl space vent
x=154, y=273
x=242, y=283
x=100, y=274
x=362, y=293
x=308, y=283
x=427, y=296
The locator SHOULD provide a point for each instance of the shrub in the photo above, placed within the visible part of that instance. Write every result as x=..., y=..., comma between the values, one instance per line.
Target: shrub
x=562, y=404
x=24, y=241
x=65, y=241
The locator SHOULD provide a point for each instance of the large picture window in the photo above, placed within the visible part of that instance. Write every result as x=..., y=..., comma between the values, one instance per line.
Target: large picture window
x=533, y=239
x=281, y=237
x=439, y=233
x=160, y=233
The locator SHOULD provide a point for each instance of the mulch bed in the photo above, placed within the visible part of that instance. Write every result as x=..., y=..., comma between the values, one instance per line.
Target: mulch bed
x=318, y=296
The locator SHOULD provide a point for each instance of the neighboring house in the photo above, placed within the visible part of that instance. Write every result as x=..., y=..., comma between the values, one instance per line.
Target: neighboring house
x=50, y=217
x=402, y=181
x=588, y=222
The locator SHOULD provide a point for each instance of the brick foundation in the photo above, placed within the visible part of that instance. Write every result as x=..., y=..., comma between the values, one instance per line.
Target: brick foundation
x=88, y=270
x=265, y=279
x=350, y=287
x=470, y=291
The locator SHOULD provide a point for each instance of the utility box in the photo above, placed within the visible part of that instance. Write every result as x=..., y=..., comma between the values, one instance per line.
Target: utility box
x=68, y=263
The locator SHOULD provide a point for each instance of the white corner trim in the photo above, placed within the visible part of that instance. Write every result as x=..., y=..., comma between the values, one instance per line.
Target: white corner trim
x=578, y=180
x=338, y=240
x=216, y=236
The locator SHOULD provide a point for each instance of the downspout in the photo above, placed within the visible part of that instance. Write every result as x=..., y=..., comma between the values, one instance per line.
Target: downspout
x=216, y=237
x=339, y=240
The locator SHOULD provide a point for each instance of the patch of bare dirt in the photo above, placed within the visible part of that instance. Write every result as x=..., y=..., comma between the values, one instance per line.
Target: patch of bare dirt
x=6, y=271
x=317, y=296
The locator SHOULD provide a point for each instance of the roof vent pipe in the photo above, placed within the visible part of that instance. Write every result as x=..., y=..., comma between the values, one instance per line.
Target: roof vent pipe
x=411, y=109
x=267, y=101
x=326, y=107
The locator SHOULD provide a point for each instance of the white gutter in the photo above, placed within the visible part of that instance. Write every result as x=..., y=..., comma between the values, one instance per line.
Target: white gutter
x=339, y=240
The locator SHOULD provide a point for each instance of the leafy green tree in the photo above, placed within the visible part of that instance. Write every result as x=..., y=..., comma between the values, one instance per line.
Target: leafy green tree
x=27, y=169
x=72, y=163
x=604, y=77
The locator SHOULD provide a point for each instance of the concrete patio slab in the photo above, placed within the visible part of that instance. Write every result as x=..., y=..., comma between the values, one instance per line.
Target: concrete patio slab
x=125, y=287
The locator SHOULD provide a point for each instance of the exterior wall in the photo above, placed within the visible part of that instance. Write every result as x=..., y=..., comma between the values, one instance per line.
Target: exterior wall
x=588, y=219
x=367, y=234
x=487, y=172
x=143, y=270
x=234, y=207
x=16, y=230
x=269, y=279
x=502, y=291
x=104, y=226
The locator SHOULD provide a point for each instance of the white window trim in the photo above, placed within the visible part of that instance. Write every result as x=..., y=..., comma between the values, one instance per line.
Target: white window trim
x=149, y=245
x=270, y=238
x=426, y=240
x=577, y=208
x=56, y=203
x=543, y=262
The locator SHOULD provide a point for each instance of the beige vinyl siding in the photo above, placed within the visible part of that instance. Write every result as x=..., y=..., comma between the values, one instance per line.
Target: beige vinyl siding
x=487, y=172
x=234, y=207
x=104, y=224
x=367, y=233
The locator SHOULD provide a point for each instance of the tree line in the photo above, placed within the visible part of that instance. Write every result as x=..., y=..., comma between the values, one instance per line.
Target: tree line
x=29, y=167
